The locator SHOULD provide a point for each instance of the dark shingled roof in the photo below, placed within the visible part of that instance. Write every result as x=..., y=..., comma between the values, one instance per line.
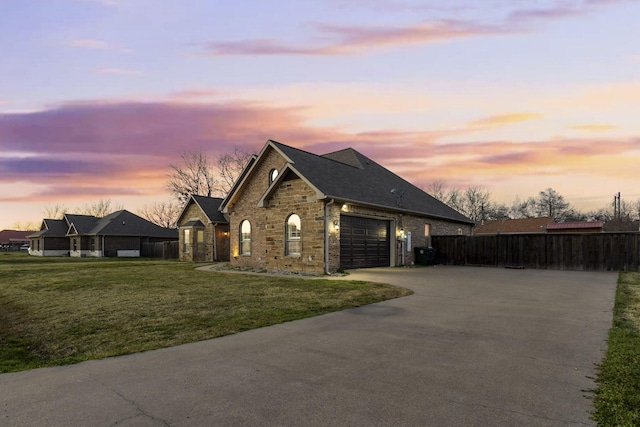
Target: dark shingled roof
x=193, y=223
x=51, y=228
x=82, y=223
x=349, y=176
x=120, y=223
x=125, y=223
x=209, y=206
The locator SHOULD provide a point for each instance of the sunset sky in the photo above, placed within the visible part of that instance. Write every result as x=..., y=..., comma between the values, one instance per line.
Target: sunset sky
x=99, y=97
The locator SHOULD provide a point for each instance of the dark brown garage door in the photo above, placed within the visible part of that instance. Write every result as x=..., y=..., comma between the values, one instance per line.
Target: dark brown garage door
x=364, y=242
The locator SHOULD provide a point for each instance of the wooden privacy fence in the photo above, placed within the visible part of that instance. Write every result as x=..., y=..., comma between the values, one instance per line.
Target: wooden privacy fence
x=589, y=251
x=162, y=250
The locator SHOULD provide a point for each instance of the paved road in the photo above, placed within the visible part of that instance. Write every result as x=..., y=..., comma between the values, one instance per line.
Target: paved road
x=471, y=347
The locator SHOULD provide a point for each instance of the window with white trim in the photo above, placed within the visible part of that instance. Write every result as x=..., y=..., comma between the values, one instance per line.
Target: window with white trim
x=186, y=241
x=245, y=238
x=293, y=246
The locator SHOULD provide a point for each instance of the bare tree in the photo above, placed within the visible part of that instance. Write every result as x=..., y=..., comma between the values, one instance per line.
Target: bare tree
x=474, y=202
x=164, y=214
x=496, y=211
x=56, y=211
x=551, y=203
x=438, y=190
x=25, y=226
x=523, y=208
x=230, y=167
x=195, y=175
x=199, y=175
x=99, y=209
x=476, y=199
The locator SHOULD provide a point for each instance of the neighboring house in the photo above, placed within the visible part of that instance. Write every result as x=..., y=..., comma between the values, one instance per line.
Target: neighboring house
x=576, y=227
x=204, y=230
x=291, y=210
x=51, y=240
x=13, y=240
x=121, y=233
x=513, y=226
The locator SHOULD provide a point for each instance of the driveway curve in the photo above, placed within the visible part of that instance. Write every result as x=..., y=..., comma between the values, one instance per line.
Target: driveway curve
x=471, y=347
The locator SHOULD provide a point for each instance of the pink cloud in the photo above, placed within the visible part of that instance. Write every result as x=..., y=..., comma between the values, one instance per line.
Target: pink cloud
x=358, y=39
x=126, y=147
x=504, y=119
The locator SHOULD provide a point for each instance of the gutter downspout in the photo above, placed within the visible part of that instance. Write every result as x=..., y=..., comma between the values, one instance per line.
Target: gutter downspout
x=326, y=235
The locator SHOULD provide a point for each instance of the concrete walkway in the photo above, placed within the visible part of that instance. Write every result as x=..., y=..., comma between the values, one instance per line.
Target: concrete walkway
x=471, y=347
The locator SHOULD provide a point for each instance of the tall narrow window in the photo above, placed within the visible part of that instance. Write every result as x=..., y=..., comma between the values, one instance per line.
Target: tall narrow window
x=293, y=243
x=200, y=247
x=427, y=229
x=245, y=238
x=187, y=240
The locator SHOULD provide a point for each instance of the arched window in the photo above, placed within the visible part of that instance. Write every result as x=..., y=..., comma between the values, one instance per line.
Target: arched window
x=293, y=245
x=245, y=238
x=273, y=174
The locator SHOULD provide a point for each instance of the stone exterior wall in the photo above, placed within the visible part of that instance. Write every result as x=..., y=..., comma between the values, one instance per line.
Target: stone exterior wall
x=205, y=251
x=295, y=197
x=246, y=207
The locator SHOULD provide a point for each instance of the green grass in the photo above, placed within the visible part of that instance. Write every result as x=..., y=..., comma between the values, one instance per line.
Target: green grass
x=617, y=395
x=56, y=311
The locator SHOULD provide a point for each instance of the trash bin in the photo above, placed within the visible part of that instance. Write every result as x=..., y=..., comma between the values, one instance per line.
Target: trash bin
x=425, y=255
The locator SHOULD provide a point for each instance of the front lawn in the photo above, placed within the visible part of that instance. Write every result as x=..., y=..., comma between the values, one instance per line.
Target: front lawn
x=617, y=396
x=56, y=311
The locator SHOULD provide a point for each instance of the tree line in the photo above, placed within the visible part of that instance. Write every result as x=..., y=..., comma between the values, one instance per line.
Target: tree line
x=199, y=174
x=476, y=203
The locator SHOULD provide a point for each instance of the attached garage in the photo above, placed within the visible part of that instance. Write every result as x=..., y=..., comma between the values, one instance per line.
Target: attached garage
x=364, y=242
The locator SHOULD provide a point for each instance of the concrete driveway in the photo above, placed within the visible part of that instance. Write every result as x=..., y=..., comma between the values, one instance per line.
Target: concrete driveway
x=471, y=347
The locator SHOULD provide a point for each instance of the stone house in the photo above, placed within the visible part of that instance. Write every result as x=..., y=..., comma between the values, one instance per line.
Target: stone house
x=204, y=231
x=291, y=210
x=121, y=233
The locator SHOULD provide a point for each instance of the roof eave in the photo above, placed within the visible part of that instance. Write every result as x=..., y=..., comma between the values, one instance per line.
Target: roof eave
x=398, y=209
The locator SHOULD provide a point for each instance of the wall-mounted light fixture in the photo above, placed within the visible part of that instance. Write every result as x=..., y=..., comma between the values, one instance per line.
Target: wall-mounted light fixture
x=336, y=225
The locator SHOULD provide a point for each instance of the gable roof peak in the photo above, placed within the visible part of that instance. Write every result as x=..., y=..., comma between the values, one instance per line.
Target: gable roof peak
x=349, y=176
x=348, y=156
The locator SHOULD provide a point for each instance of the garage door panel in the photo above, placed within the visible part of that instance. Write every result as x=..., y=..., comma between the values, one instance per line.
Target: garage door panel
x=364, y=242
